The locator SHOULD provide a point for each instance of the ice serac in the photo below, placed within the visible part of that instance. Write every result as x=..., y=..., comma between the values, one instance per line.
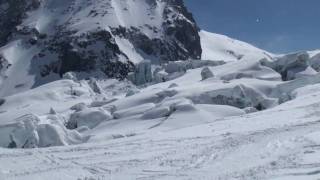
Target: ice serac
x=289, y=65
x=109, y=36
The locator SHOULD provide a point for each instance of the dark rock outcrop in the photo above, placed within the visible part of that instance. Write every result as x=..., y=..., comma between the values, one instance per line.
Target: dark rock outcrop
x=64, y=48
x=12, y=13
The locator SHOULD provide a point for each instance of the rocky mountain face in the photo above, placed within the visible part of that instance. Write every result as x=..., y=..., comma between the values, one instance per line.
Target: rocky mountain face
x=52, y=37
x=12, y=13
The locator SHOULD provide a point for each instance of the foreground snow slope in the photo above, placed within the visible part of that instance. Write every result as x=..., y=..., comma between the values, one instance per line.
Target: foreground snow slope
x=186, y=128
x=280, y=143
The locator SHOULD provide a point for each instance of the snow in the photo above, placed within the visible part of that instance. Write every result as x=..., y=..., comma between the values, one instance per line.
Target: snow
x=220, y=47
x=313, y=53
x=87, y=15
x=127, y=48
x=41, y=100
x=206, y=120
x=18, y=77
x=57, y=17
x=274, y=144
x=89, y=118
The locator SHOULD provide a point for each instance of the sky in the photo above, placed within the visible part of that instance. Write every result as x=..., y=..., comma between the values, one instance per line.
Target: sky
x=279, y=26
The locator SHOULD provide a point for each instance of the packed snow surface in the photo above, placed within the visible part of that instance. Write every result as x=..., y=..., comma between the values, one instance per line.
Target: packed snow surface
x=235, y=120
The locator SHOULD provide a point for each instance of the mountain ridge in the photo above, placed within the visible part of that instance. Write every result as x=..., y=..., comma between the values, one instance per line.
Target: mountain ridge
x=87, y=36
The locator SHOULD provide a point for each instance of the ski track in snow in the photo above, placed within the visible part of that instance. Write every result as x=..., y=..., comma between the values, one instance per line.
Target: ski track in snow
x=198, y=157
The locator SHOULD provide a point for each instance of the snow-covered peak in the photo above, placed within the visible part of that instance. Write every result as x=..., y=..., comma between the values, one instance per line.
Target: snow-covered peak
x=221, y=47
x=87, y=15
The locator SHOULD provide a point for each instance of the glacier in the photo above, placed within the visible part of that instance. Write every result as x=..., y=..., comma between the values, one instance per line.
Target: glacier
x=228, y=110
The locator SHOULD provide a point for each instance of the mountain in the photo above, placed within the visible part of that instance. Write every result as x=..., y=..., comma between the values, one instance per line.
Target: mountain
x=205, y=107
x=45, y=39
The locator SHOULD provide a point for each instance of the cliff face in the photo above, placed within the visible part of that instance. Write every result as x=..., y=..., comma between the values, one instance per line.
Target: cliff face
x=12, y=13
x=108, y=36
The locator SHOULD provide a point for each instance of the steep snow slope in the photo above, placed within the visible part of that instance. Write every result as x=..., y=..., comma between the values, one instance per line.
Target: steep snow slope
x=221, y=47
x=15, y=74
x=109, y=14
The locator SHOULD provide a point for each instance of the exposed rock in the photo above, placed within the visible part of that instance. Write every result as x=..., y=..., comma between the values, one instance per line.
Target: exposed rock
x=52, y=111
x=180, y=41
x=64, y=47
x=182, y=32
x=206, y=73
x=93, y=51
x=4, y=65
x=12, y=13
x=2, y=101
